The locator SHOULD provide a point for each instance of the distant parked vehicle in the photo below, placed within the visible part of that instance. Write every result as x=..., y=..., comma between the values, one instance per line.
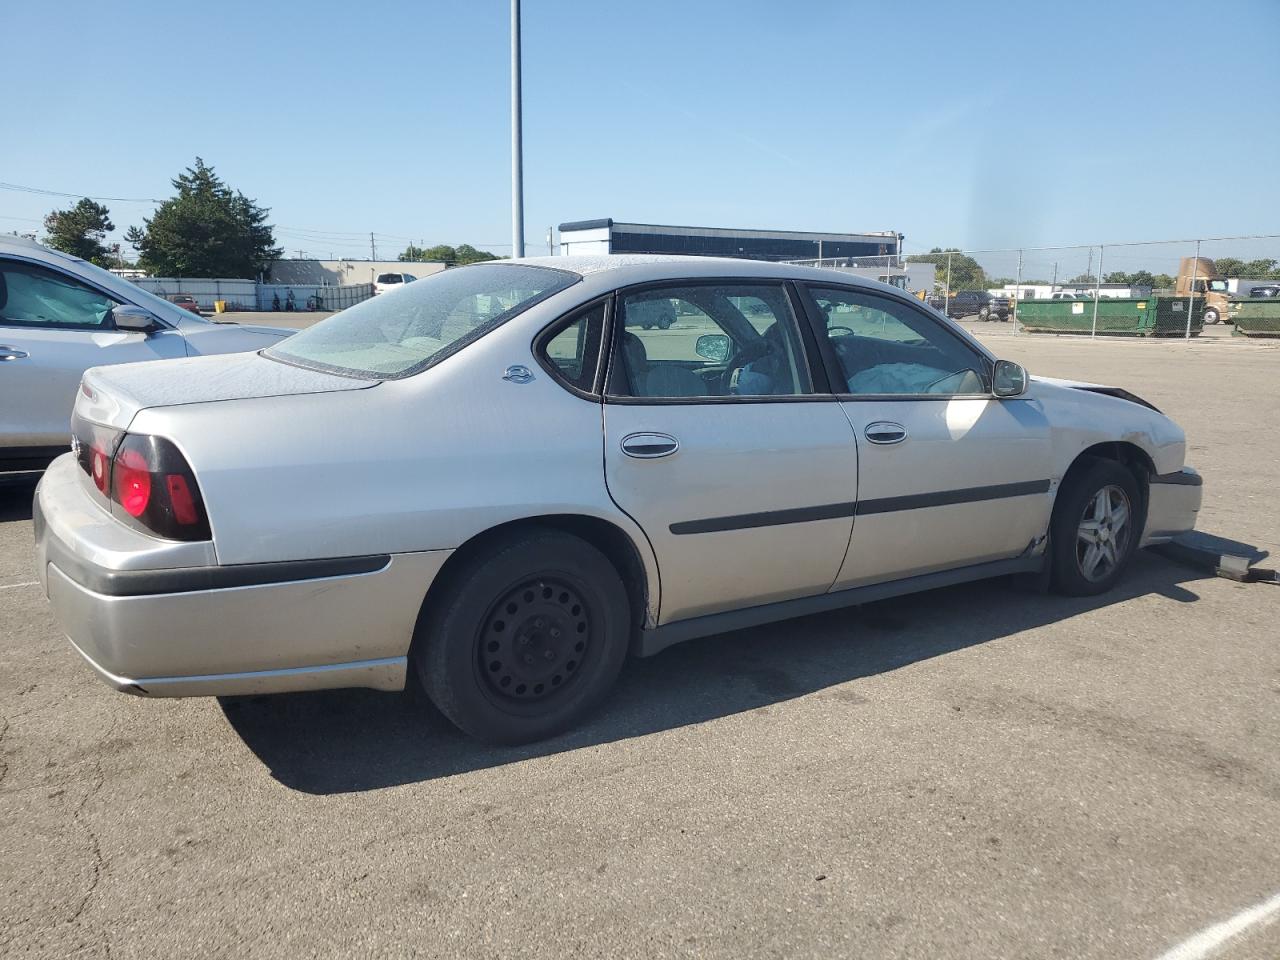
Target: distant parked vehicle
x=391, y=281
x=968, y=303
x=54, y=310
x=1270, y=290
x=1199, y=275
x=186, y=302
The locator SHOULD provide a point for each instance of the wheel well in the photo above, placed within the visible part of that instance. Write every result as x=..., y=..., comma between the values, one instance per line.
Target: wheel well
x=606, y=537
x=1129, y=455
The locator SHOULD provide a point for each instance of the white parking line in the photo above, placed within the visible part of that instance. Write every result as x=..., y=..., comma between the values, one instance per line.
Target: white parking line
x=14, y=586
x=1210, y=938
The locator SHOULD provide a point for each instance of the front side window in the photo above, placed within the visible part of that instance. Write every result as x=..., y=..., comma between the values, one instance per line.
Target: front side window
x=886, y=347
x=393, y=337
x=32, y=296
x=708, y=340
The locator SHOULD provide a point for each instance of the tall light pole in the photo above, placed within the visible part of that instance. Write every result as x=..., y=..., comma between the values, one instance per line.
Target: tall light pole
x=517, y=172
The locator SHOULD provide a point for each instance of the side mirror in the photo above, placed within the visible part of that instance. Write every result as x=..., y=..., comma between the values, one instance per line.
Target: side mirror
x=1009, y=379
x=133, y=319
x=713, y=347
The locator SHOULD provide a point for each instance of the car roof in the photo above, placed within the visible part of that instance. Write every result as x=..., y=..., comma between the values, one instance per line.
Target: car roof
x=628, y=268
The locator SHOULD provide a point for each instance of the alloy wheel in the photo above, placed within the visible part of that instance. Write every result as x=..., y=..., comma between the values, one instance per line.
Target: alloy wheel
x=1104, y=533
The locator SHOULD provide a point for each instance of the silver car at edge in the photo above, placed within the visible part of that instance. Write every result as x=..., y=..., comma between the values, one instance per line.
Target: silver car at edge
x=60, y=315
x=492, y=483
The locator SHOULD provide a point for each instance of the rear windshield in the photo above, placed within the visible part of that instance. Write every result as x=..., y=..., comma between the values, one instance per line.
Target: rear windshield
x=389, y=278
x=386, y=338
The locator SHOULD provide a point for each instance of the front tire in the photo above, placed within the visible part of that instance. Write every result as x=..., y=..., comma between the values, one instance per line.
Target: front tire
x=984, y=314
x=528, y=637
x=1095, y=529
x=1210, y=315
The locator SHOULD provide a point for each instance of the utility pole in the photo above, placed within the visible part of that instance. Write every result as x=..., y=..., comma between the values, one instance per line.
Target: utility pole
x=373, y=250
x=1089, y=272
x=517, y=160
x=1054, y=286
x=551, y=250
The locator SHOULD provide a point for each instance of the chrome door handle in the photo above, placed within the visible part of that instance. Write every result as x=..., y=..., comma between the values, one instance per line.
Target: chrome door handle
x=885, y=431
x=12, y=353
x=649, y=446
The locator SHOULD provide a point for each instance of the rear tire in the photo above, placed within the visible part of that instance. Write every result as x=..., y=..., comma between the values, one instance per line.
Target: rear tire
x=528, y=637
x=1095, y=530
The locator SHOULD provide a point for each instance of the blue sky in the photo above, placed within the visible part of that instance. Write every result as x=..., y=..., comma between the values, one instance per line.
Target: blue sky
x=978, y=124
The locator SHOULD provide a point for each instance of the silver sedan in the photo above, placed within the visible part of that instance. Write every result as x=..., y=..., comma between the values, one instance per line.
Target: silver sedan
x=503, y=479
x=60, y=315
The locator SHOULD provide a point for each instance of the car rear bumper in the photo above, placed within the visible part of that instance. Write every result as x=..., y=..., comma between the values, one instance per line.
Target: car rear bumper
x=199, y=629
x=1172, y=505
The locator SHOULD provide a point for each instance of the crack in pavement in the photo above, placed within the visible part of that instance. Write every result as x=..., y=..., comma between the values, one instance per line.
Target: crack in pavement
x=95, y=847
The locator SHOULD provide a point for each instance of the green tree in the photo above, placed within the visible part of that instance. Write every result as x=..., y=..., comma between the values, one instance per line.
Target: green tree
x=966, y=272
x=469, y=254
x=1139, y=278
x=463, y=253
x=80, y=231
x=1253, y=269
x=205, y=230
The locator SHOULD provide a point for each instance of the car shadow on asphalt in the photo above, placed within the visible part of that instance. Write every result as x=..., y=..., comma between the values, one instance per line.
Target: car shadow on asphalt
x=345, y=741
x=16, y=499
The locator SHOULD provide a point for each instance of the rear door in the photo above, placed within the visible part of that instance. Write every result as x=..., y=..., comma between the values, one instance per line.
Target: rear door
x=948, y=475
x=725, y=445
x=53, y=326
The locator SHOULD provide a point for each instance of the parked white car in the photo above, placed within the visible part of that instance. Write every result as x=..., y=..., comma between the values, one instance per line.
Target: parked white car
x=391, y=281
x=60, y=315
x=494, y=483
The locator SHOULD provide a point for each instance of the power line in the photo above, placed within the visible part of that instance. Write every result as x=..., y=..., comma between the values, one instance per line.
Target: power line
x=58, y=193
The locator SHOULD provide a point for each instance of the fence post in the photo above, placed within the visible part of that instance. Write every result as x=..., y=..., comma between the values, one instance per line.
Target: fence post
x=1191, y=293
x=1097, y=291
x=1017, y=292
x=946, y=297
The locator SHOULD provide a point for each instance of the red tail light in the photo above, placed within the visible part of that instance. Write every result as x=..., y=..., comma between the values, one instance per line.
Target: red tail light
x=147, y=480
x=131, y=482
x=153, y=483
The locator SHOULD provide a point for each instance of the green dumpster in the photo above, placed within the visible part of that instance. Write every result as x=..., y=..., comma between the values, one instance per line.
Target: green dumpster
x=1132, y=317
x=1255, y=317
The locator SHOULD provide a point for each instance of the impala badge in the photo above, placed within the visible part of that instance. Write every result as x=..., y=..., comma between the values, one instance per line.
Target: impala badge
x=518, y=374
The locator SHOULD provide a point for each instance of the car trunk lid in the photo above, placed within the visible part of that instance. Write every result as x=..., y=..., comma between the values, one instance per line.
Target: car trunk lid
x=113, y=395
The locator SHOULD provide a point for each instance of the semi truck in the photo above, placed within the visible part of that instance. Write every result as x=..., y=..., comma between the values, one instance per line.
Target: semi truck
x=1198, y=275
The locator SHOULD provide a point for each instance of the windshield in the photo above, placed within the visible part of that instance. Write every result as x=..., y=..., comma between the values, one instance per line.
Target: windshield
x=393, y=337
x=1218, y=285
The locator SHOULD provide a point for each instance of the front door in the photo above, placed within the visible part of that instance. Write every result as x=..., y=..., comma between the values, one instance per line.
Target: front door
x=948, y=475
x=716, y=443
x=52, y=328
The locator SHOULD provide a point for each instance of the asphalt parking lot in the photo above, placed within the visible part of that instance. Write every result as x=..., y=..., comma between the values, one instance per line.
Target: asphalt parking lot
x=975, y=772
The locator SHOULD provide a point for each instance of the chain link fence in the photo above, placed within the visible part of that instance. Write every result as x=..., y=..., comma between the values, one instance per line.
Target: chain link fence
x=1208, y=287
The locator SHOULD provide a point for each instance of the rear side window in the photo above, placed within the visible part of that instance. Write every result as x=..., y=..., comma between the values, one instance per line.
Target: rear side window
x=571, y=349
x=32, y=296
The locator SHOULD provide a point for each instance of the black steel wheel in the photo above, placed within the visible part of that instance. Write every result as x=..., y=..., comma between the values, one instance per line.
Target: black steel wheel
x=534, y=640
x=523, y=637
